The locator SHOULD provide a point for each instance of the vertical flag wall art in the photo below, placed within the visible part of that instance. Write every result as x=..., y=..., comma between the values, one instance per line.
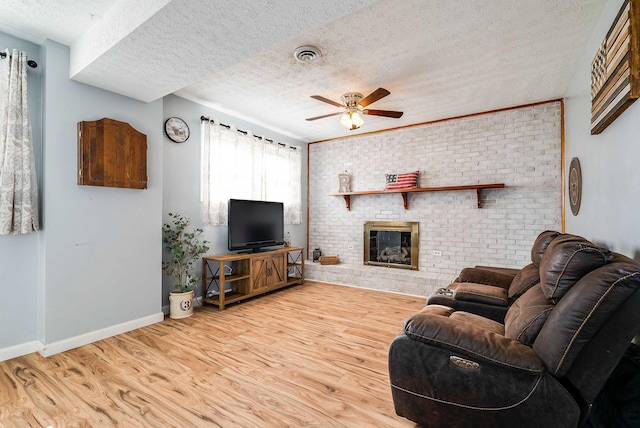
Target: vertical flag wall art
x=615, y=70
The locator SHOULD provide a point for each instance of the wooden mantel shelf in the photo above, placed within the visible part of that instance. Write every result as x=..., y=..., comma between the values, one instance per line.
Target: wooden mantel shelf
x=477, y=187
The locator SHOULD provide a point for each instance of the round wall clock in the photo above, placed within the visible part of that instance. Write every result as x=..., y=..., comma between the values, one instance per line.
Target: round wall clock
x=176, y=129
x=575, y=186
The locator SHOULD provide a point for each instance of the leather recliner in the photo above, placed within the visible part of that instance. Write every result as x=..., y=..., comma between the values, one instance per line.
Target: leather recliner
x=489, y=291
x=543, y=367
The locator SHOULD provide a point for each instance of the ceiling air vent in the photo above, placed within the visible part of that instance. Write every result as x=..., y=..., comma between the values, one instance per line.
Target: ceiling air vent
x=307, y=53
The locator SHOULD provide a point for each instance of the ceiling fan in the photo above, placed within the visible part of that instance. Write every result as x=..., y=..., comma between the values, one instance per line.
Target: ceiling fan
x=353, y=105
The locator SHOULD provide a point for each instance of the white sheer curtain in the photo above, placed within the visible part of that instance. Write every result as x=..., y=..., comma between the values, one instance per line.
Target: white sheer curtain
x=283, y=173
x=18, y=184
x=239, y=166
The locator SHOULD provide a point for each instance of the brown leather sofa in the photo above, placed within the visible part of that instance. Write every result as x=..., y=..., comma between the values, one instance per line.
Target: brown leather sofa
x=489, y=291
x=542, y=367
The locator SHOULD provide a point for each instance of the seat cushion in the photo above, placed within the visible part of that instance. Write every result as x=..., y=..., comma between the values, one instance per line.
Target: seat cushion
x=479, y=321
x=445, y=297
x=567, y=259
x=468, y=334
x=464, y=317
x=527, y=315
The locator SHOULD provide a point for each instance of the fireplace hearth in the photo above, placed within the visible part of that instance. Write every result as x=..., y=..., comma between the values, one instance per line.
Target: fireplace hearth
x=391, y=244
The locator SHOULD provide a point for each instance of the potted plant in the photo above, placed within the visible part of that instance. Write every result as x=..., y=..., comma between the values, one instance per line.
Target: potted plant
x=185, y=249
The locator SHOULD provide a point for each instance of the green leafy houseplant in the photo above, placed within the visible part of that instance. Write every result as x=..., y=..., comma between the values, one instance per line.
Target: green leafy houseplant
x=185, y=249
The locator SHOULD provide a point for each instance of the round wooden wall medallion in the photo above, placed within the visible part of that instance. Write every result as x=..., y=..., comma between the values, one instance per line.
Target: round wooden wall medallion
x=575, y=185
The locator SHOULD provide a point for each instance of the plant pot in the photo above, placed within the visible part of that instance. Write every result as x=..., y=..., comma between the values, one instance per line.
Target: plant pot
x=180, y=304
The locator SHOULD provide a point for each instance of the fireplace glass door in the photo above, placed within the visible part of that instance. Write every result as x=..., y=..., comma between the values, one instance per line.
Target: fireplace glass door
x=391, y=244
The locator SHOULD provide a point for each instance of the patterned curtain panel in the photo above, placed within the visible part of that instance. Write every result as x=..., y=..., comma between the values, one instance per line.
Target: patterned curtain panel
x=243, y=166
x=18, y=184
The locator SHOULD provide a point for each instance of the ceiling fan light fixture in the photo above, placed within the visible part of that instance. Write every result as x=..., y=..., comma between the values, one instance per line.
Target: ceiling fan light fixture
x=307, y=53
x=351, y=120
x=353, y=108
x=357, y=120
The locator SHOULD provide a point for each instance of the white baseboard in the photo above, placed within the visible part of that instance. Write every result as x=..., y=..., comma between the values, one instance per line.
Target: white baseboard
x=20, y=350
x=94, y=336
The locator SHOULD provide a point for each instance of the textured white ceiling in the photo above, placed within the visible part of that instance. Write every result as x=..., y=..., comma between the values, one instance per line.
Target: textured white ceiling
x=439, y=59
x=60, y=20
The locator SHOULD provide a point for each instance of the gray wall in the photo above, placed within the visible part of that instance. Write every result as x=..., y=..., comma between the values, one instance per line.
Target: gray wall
x=101, y=246
x=94, y=268
x=609, y=161
x=181, y=170
x=19, y=254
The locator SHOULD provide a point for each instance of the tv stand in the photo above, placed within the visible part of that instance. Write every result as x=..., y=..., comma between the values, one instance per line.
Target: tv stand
x=228, y=278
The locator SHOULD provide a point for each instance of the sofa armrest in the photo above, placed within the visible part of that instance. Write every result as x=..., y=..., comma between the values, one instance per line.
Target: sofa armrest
x=435, y=328
x=481, y=293
x=486, y=276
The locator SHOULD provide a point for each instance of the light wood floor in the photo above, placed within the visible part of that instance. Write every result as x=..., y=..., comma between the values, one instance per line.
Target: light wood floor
x=309, y=355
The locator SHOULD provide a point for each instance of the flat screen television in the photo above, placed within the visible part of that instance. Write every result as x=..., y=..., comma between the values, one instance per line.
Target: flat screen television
x=254, y=225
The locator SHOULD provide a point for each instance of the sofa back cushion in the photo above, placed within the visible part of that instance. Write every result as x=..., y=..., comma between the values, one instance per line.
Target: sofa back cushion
x=581, y=314
x=567, y=259
x=527, y=315
x=524, y=280
x=541, y=244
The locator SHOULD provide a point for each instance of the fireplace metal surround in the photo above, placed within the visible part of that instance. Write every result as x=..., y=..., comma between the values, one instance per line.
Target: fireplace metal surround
x=391, y=244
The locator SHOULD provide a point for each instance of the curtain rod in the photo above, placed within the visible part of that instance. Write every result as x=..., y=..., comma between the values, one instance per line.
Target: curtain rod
x=30, y=62
x=203, y=118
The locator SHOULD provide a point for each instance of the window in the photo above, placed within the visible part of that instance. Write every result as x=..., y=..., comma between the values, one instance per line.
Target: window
x=239, y=165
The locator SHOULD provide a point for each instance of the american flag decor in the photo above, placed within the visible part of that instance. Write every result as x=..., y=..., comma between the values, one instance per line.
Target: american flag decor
x=408, y=180
x=615, y=70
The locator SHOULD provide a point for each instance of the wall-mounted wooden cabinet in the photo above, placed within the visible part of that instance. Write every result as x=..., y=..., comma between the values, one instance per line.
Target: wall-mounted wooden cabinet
x=111, y=154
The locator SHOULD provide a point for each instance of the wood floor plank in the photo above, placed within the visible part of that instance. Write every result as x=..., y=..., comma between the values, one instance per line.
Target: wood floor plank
x=311, y=355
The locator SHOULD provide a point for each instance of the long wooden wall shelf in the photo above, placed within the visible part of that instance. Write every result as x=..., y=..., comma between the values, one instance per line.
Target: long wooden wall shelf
x=477, y=187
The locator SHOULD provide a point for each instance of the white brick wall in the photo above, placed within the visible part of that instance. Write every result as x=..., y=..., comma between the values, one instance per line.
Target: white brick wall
x=518, y=147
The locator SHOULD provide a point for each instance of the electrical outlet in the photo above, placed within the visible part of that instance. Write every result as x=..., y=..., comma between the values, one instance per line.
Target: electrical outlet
x=437, y=252
x=349, y=247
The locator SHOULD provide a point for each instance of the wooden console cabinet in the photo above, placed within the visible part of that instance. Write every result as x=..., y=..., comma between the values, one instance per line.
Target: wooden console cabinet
x=229, y=278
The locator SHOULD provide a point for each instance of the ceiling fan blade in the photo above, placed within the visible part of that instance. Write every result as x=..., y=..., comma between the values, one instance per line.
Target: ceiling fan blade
x=374, y=96
x=386, y=113
x=326, y=100
x=323, y=116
